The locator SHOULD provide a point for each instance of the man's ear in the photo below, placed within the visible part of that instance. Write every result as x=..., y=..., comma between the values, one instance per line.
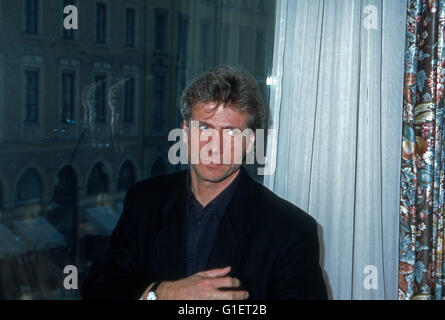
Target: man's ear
x=185, y=131
x=251, y=142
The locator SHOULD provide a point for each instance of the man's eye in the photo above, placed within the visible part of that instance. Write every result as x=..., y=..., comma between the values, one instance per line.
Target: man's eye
x=203, y=127
x=232, y=132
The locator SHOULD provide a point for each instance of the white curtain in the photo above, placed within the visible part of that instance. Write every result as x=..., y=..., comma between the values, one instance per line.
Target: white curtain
x=336, y=101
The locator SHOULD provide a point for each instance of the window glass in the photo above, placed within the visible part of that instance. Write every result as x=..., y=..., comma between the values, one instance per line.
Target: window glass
x=85, y=113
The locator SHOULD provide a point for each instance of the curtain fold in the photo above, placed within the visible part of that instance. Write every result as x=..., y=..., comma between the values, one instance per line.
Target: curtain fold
x=421, y=256
x=336, y=101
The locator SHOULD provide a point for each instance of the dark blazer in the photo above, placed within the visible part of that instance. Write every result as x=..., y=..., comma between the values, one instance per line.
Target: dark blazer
x=270, y=244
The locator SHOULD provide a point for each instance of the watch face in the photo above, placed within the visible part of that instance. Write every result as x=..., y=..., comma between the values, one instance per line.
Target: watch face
x=151, y=296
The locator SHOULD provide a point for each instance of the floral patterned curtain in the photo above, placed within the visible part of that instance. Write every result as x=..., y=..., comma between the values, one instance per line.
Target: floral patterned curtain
x=421, y=256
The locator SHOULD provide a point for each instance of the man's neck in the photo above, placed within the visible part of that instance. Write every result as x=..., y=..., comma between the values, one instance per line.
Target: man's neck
x=206, y=191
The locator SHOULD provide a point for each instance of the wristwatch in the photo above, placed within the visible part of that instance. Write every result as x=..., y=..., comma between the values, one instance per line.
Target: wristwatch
x=152, y=293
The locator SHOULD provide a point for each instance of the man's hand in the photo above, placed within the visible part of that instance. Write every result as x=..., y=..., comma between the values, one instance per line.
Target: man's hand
x=203, y=285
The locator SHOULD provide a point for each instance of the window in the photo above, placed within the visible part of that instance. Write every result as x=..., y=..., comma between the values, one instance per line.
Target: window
x=127, y=176
x=160, y=25
x=97, y=181
x=29, y=188
x=183, y=35
x=101, y=23
x=100, y=91
x=67, y=97
x=1, y=197
x=204, y=39
x=31, y=16
x=31, y=95
x=130, y=16
x=181, y=82
x=159, y=102
x=129, y=100
x=67, y=34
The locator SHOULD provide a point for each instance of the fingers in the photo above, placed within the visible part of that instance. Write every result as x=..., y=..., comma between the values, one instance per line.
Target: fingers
x=231, y=295
x=227, y=282
x=214, y=273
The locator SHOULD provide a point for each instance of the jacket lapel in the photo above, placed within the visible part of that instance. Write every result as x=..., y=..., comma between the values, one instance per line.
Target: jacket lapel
x=232, y=235
x=171, y=239
x=230, y=240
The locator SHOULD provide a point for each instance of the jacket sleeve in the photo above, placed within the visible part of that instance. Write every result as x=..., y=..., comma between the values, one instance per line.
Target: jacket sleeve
x=297, y=274
x=115, y=273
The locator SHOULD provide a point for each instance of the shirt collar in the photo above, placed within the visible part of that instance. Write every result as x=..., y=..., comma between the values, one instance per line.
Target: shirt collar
x=220, y=203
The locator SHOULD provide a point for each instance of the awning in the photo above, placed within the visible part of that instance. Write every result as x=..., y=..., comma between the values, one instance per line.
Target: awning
x=10, y=244
x=101, y=220
x=39, y=234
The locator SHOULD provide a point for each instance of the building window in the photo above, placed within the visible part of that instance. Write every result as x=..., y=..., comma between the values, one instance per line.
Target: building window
x=204, y=38
x=29, y=188
x=67, y=34
x=97, y=181
x=31, y=16
x=180, y=86
x=1, y=198
x=129, y=100
x=100, y=90
x=127, y=176
x=160, y=23
x=130, y=27
x=101, y=22
x=31, y=95
x=183, y=36
x=159, y=101
x=67, y=97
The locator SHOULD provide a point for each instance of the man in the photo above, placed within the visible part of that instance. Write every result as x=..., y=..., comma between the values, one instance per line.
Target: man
x=211, y=232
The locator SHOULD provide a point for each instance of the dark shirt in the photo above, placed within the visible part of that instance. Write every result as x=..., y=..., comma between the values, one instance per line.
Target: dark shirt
x=202, y=224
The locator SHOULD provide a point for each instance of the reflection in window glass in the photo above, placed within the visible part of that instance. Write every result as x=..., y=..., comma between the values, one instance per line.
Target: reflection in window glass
x=127, y=176
x=160, y=21
x=31, y=95
x=29, y=188
x=97, y=181
x=129, y=100
x=31, y=16
x=67, y=97
x=101, y=20
x=130, y=27
x=100, y=98
x=85, y=113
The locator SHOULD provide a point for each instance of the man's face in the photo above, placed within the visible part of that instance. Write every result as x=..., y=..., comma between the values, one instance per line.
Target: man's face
x=226, y=121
